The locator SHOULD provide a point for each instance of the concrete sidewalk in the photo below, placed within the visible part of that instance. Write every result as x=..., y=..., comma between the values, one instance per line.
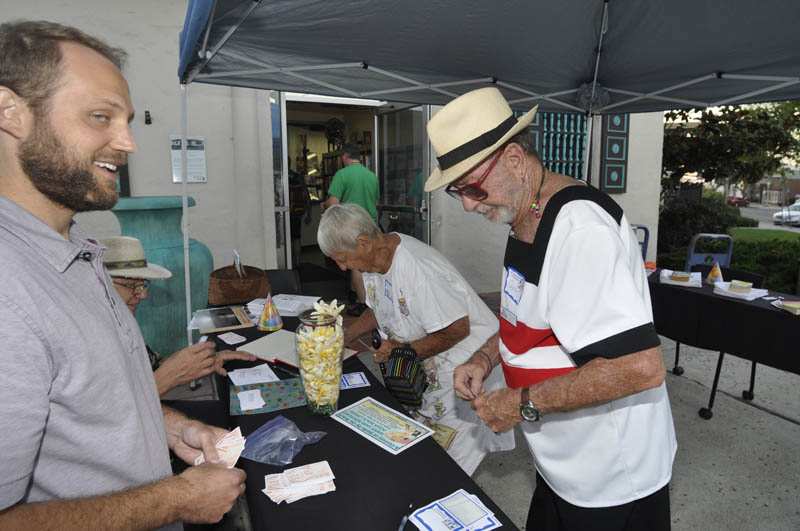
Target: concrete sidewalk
x=738, y=471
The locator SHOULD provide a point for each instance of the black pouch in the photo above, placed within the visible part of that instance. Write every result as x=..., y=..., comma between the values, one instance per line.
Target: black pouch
x=403, y=374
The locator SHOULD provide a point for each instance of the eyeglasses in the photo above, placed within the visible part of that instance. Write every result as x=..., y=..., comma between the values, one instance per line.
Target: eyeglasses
x=473, y=190
x=136, y=285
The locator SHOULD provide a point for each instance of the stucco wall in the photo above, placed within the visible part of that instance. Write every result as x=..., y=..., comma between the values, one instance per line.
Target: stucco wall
x=235, y=208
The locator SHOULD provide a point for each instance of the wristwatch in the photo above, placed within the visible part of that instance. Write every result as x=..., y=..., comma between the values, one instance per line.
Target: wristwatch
x=527, y=410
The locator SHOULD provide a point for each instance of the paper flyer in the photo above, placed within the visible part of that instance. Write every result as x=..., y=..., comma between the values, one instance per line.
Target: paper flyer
x=389, y=429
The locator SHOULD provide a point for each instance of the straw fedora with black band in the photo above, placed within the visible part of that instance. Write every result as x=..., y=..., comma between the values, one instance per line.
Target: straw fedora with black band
x=124, y=257
x=467, y=130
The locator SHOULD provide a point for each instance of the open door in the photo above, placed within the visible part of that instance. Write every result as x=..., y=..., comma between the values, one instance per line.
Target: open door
x=280, y=181
x=403, y=166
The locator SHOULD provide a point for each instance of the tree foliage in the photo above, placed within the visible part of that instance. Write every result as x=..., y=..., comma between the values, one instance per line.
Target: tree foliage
x=732, y=144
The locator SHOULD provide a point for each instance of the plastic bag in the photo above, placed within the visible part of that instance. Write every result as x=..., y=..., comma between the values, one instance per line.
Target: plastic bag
x=277, y=442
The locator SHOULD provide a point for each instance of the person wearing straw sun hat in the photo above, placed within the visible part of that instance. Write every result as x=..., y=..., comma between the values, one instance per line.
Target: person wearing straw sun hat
x=131, y=274
x=577, y=344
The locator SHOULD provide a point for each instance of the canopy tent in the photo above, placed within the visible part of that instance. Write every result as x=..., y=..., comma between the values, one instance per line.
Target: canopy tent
x=592, y=56
x=634, y=56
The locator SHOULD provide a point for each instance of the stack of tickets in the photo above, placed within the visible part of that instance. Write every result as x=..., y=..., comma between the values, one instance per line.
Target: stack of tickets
x=229, y=448
x=300, y=482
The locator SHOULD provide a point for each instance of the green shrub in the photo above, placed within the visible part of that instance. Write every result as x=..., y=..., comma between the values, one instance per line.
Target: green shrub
x=777, y=260
x=679, y=220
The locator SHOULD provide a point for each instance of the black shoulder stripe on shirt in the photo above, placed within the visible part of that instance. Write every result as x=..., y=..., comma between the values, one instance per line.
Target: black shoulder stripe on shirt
x=627, y=342
x=528, y=258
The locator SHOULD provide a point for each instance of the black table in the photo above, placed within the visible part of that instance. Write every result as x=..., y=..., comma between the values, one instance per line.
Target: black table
x=373, y=487
x=753, y=330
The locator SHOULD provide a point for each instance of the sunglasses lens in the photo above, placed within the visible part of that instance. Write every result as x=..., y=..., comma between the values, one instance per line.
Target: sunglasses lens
x=474, y=193
x=453, y=192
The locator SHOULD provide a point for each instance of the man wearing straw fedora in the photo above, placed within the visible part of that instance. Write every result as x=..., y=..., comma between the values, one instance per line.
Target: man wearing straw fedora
x=580, y=354
x=131, y=274
x=85, y=439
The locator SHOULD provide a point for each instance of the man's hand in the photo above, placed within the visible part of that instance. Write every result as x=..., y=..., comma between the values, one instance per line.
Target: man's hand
x=499, y=409
x=469, y=376
x=384, y=351
x=194, y=362
x=227, y=355
x=185, y=365
x=208, y=492
x=195, y=437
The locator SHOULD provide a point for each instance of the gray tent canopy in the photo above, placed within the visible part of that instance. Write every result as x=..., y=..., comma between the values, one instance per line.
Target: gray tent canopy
x=581, y=55
x=592, y=56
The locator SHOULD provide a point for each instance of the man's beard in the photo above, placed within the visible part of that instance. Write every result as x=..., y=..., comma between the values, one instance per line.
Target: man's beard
x=59, y=174
x=497, y=214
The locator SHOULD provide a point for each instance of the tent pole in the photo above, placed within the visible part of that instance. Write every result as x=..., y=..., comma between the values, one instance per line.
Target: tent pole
x=756, y=92
x=587, y=150
x=603, y=29
x=209, y=55
x=187, y=282
x=535, y=96
x=689, y=83
x=544, y=96
x=683, y=101
x=587, y=162
x=206, y=34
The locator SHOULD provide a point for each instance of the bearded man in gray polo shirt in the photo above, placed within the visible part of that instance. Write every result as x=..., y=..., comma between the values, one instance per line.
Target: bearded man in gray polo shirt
x=85, y=439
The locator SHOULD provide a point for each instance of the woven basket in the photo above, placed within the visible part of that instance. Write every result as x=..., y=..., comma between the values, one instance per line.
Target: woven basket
x=226, y=287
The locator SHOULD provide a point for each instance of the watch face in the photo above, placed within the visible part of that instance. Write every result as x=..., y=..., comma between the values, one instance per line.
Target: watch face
x=529, y=412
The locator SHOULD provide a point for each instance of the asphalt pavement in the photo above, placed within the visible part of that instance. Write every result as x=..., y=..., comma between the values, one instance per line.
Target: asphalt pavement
x=763, y=213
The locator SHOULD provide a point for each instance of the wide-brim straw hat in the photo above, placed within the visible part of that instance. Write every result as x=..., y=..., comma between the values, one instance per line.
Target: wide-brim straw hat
x=124, y=257
x=467, y=130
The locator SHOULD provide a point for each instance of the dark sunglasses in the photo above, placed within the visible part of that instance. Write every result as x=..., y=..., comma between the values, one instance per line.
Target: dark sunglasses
x=473, y=190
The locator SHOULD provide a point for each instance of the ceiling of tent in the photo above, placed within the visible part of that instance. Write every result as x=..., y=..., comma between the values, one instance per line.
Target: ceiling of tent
x=654, y=55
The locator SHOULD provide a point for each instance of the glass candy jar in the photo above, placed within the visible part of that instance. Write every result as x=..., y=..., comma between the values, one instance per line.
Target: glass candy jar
x=320, y=344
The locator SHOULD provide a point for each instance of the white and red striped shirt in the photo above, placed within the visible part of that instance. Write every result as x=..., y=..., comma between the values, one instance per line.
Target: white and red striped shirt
x=579, y=292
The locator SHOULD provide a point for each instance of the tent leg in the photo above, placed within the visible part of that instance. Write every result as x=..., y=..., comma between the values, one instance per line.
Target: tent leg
x=187, y=281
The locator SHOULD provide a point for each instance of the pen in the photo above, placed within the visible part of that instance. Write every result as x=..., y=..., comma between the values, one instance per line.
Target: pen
x=285, y=369
x=404, y=520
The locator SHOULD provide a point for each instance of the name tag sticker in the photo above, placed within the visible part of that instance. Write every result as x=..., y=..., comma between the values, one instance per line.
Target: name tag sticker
x=515, y=284
x=387, y=289
x=512, y=294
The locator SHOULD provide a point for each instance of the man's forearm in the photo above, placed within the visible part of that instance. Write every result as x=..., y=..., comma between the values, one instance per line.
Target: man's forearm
x=174, y=422
x=442, y=340
x=601, y=380
x=147, y=507
x=365, y=323
x=164, y=380
x=489, y=353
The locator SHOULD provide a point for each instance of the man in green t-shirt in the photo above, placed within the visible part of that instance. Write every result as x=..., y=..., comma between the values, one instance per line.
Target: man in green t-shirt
x=354, y=183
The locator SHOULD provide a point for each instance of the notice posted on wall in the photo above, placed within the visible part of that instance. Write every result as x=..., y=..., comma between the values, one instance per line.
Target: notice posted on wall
x=389, y=429
x=196, y=171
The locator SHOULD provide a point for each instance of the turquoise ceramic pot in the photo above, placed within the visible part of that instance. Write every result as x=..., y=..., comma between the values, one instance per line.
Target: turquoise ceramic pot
x=156, y=222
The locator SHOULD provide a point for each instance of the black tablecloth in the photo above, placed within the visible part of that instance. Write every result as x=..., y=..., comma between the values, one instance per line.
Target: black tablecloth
x=754, y=330
x=373, y=487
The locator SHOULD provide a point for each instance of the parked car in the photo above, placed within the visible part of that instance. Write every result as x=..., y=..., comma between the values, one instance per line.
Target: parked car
x=789, y=215
x=738, y=201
